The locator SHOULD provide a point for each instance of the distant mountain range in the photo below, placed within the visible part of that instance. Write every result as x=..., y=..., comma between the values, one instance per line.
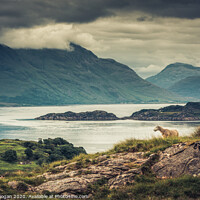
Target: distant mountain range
x=59, y=77
x=181, y=78
x=187, y=87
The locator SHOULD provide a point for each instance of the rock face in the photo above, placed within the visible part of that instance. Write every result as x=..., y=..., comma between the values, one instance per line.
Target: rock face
x=118, y=170
x=82, y=116
x=189, y=112
x=178, y=160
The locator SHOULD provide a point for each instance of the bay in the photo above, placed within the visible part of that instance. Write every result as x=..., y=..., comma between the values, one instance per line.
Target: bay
x=94, y=136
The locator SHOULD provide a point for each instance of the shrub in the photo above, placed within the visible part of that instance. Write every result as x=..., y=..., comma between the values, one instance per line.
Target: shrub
x=50, y=146
x=54, y=157
x=41, y=161
x=10, y=156
x=47, y=141
x=22, y=187
x=69, y=151
x=37, y=155
x=40, y=141
x=29, y=144
x=59, y=141
x=34, y=181
x=29, y=153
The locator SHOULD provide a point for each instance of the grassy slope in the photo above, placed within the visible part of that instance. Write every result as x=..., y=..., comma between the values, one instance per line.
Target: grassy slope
x=189, y=87
x=145, y=186
x=173, y=73
x=59, y=77
x=17, y=146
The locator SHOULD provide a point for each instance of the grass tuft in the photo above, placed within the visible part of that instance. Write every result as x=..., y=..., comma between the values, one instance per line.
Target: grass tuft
x=196, y=132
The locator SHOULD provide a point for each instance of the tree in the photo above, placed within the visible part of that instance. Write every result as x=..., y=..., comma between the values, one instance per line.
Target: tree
x=40, y=161
x=29, y=144
x=47, y=141
x=37, y=155
x=59, y=141
x=54, y=157
x=10, y=156
x=29, y=153
x=40, y=141
x=69, y=151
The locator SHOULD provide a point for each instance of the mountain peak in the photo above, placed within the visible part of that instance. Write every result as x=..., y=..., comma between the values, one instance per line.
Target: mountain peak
x=178, y=65
x=173, y=73
x=3, y=46
x=81, y=49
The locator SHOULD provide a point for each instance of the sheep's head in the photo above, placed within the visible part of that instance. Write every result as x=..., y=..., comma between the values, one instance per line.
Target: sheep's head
x=156, y=128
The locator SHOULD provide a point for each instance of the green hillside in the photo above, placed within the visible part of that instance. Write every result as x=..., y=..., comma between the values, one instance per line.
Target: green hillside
x=59, y=77
x=189, y=87
x=173, y=73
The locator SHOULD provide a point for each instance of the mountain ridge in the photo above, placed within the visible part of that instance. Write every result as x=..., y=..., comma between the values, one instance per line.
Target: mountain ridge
x=189, y=87
x=60, y=77
x=173, y=73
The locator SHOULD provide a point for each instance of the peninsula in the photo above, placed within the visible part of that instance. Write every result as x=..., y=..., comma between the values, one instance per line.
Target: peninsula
x=189, y=112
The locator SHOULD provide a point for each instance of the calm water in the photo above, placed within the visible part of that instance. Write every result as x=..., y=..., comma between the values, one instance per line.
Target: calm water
x=18, y=123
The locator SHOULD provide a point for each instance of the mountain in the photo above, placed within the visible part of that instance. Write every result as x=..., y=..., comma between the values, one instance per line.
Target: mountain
x=76, y=76
x=187, y=87
x=173, y=73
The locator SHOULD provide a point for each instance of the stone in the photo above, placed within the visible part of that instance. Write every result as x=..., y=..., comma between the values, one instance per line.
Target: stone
x=178, y=160
x=21, y=186
x=13, y=184
x=123, y=179
x=115, y=169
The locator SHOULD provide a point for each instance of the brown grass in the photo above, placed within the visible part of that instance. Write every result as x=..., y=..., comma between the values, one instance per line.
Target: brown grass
x=196, y=132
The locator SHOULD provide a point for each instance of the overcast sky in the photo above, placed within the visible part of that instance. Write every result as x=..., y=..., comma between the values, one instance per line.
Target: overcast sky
x=145, y=35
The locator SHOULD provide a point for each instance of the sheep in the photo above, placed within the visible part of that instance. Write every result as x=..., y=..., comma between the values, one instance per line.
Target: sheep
x=166, y=132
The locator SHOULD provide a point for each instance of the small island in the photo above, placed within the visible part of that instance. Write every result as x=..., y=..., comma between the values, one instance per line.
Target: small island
x=96, y=115
x=189, y=112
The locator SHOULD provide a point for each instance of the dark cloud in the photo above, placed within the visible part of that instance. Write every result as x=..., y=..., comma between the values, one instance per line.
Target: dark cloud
x=26, y=13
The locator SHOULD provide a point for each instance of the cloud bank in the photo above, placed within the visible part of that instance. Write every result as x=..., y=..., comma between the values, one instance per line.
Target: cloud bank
x=23, y=13
x=56, y=36
x=145, y=35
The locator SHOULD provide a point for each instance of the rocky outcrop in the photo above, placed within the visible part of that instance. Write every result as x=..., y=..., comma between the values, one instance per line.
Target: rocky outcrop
x=119, y=170
x=116, y=170
x=189, y=112
x=82, y=116
x=20, y=186
x=178, y=160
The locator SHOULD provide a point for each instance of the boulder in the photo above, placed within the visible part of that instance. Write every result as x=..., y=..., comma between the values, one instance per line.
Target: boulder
x=178, y=160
